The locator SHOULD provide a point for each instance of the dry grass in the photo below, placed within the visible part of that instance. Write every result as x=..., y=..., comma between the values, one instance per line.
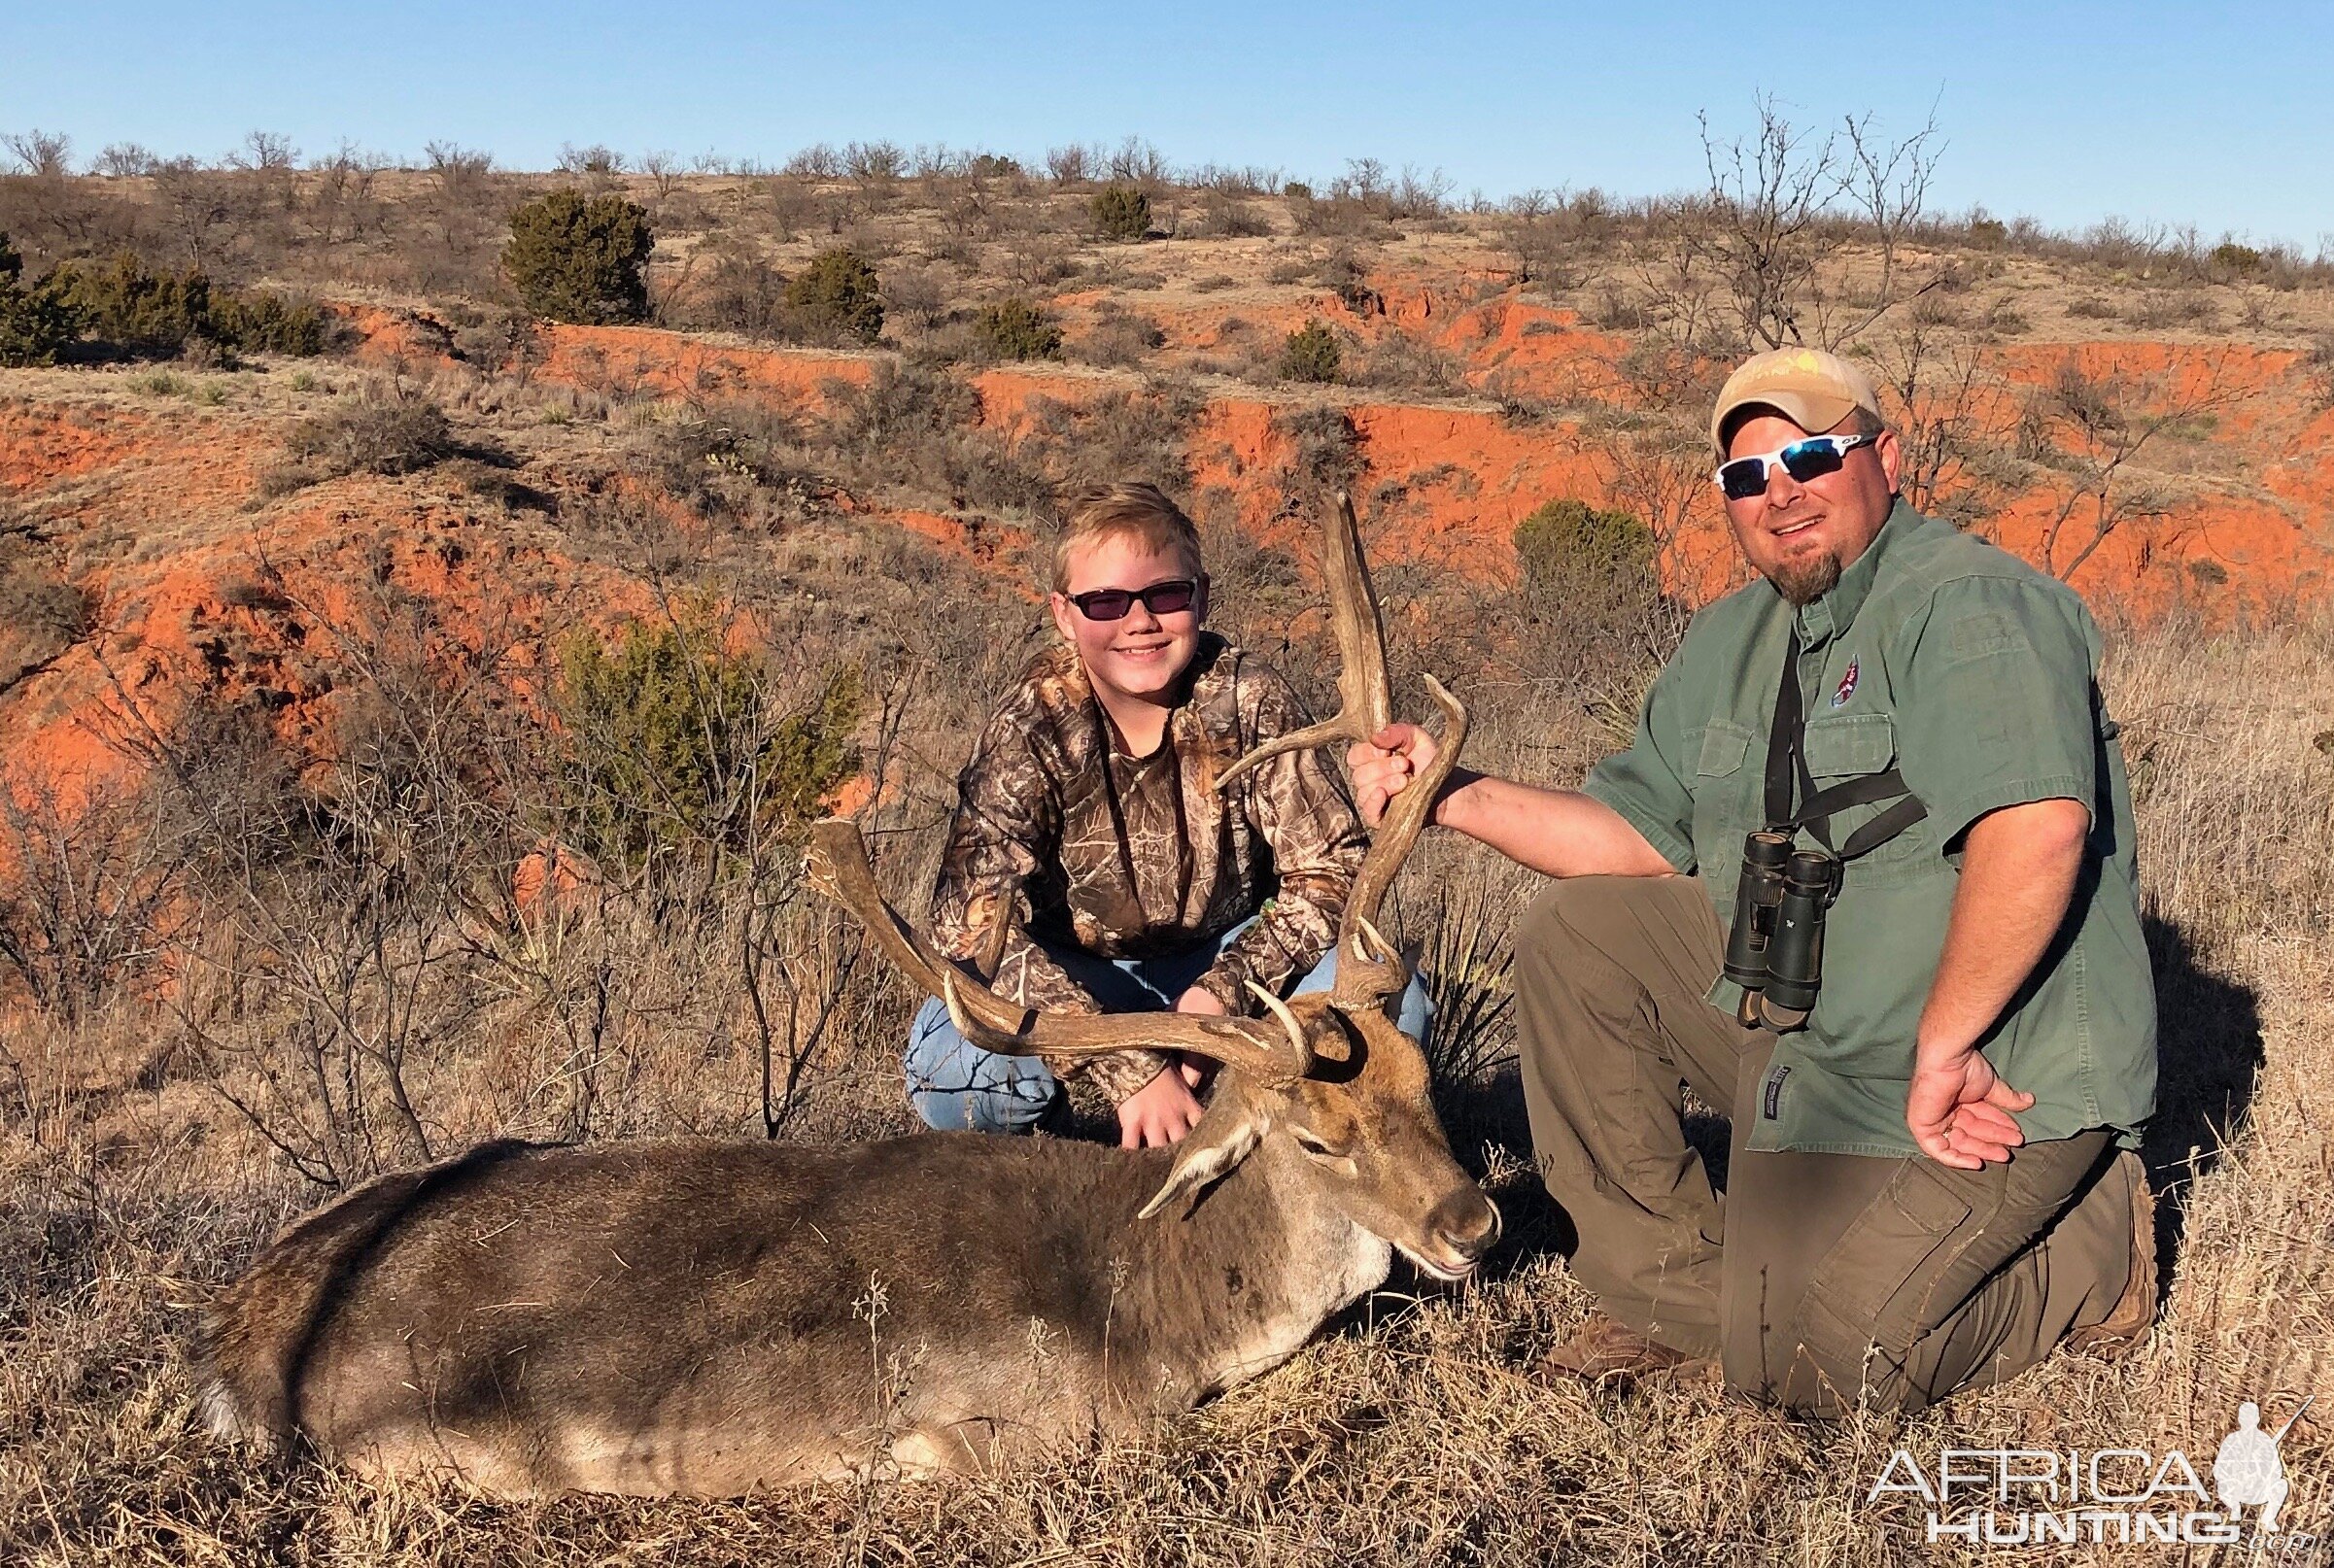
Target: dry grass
x=1407, y=1434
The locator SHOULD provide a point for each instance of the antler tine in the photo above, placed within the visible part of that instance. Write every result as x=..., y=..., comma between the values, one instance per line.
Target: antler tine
x=1000, y=931
x=1365, y=696
x=839, y=867
x=1368, y=969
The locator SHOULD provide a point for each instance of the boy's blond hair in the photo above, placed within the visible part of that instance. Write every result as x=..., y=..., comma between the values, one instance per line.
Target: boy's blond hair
x=1125, y=510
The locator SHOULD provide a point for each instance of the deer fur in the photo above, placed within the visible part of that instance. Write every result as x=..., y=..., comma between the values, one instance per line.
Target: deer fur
x=710, y=1319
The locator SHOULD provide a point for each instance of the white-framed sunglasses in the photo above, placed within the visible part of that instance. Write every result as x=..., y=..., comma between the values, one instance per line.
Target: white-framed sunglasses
x=1809, y=457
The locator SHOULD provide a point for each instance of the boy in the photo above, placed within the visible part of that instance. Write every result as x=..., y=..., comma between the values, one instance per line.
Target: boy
x=1092, y=793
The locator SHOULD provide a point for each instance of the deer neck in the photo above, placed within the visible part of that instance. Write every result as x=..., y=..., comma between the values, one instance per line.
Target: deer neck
x=1233, y=1289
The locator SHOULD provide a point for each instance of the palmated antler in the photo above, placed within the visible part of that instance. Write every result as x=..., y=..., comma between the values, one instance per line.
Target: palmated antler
x=1368, y=967
x=1365, y=697
x=1274, y=1052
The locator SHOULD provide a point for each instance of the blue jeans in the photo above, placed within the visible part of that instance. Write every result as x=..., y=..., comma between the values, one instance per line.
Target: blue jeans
x=957, y=1087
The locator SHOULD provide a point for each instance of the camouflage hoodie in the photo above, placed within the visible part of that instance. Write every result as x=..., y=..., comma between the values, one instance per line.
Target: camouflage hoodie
x=1140, y=857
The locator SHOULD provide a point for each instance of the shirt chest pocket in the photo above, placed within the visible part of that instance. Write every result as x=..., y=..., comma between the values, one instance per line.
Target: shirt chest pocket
x=1852, y=746
x=1726, y=784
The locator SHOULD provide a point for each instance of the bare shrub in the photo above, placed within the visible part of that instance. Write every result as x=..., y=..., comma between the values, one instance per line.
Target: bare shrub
x=740, y=462
x=917, y=293
x=2173, y=309
x=2317, y=368
x=594, y=161
x=742, y=292
x=916, y=431
x=42, y=612
x=125, y=160
x=41, y=154
x=2089, y=426
x=92, y=889
x=1224, y=216
x=1402, y=360
x=1072, y=164
x=1143, y=434
x=1119, y=337
x=458, y=170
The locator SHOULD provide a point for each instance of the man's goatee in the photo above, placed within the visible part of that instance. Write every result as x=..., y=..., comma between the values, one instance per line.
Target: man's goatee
x=1805, y=582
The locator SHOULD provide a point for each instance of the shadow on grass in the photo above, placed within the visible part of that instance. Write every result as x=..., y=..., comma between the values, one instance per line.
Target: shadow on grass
x=2209, y=1056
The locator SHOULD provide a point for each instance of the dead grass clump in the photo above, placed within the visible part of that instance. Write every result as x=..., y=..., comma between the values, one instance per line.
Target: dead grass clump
x=2173, y=309
x=42, y=611
x=913, y=431
x=368, y=435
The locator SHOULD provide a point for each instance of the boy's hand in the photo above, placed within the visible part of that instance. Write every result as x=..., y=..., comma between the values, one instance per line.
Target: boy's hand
x=1383, y=766
x=1158, y=1114
x=1198, y=1069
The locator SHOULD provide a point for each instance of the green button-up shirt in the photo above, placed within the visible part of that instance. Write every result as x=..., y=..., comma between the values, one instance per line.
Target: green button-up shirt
x=1976, y=677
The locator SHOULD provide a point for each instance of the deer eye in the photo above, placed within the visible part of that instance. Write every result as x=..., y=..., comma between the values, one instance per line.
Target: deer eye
x=1318, y=1148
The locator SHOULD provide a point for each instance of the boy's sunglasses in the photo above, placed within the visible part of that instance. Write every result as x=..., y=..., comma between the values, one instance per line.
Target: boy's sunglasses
x=1159, y=598
x=1803, y=461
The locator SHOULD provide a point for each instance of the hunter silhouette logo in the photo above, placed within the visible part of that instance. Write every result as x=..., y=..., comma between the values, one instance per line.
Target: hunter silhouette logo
x=2249, y=1472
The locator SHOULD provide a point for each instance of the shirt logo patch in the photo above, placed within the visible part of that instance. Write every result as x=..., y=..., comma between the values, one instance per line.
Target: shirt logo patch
x=1847, y=686
x=1773, y=1105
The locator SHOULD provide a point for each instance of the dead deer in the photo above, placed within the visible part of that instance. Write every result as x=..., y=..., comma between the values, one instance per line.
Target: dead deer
x=710, y=1319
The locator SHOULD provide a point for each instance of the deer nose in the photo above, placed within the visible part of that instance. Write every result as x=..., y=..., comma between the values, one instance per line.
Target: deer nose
x=1467, y=1222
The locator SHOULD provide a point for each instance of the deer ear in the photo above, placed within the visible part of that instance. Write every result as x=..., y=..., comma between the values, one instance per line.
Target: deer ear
x=1209, y=1152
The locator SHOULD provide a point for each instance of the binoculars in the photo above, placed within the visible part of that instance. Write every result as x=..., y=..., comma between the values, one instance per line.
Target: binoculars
x=1776, y=950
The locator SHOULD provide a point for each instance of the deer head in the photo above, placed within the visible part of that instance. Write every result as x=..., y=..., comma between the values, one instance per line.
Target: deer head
x=1327, y=1070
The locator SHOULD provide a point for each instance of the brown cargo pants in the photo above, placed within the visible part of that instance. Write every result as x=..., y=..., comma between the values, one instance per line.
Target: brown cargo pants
x=1821, y=1280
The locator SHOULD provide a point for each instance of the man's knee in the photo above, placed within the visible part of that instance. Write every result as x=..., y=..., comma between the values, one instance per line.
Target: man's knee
x=1572, y=943
x=1575, y=911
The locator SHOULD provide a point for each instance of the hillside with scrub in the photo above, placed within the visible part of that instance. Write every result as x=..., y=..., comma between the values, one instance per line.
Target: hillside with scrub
x=436, y=598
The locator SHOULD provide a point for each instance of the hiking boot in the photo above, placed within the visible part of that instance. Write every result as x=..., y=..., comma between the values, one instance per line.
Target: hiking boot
x=1604, y=1350
x=2135, y=1311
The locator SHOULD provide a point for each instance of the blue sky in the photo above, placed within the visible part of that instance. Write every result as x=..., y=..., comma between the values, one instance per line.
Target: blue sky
x=2155, y=112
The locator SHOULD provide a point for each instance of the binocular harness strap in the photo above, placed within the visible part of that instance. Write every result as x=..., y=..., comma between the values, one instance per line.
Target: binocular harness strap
x=1787, y=773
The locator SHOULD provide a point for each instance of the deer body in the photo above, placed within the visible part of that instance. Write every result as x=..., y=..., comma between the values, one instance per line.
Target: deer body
x=711, y=1319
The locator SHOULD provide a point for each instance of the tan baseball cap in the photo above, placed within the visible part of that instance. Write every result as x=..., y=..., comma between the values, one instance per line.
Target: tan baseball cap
x=1813, y=389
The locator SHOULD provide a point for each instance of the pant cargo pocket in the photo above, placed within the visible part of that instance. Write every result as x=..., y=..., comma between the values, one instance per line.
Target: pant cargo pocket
x=1871, y=1294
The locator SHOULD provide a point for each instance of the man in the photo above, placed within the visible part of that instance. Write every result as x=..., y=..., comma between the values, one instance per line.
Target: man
x=1092, y=793
x=1925, y=1185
